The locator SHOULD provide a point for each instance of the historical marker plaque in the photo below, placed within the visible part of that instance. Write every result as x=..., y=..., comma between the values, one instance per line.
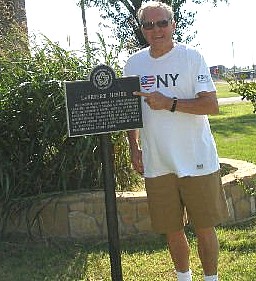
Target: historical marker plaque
x=102, y=104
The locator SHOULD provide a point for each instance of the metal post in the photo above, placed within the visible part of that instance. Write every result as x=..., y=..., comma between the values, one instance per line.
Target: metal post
x=233, y=50
x=111, y=210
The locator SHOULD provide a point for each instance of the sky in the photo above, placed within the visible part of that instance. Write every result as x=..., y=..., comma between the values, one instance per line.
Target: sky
x=225, y=35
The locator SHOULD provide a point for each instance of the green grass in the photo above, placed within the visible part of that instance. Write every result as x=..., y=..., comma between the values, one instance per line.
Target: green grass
x=146, y=258
x=143, y=258
x=223, y=90
x=234, y=130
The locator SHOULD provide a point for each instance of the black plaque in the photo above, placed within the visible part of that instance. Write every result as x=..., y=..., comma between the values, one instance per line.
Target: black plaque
x=102, y=104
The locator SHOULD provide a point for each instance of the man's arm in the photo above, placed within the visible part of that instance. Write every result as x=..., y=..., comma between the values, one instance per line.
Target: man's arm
x=205, y=103
x=135, y=151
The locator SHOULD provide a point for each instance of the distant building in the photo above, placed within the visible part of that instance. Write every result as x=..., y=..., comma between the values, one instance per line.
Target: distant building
x=245, y=74
x=220, y=71
x=217, y=71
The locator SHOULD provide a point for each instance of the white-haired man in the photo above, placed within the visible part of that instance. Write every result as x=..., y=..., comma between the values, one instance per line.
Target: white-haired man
x=178, y=157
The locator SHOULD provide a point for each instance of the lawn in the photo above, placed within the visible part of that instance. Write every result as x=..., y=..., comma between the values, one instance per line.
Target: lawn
x=143, y=258
x=223, y=90
x=234, y=130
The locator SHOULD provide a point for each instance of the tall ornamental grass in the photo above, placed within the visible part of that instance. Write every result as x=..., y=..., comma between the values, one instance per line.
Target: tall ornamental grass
x=37, y=156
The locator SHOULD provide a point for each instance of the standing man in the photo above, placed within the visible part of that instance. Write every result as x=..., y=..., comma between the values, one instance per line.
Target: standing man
x=178, y=158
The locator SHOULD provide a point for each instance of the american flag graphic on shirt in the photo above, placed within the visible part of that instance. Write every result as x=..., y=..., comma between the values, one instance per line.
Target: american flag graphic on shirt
x=147, y=81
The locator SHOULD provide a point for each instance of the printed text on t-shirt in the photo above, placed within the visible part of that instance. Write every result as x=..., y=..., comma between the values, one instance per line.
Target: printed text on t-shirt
x=166, y=80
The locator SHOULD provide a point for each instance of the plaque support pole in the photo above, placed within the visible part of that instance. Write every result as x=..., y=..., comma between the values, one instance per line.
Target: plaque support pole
x=111, y=209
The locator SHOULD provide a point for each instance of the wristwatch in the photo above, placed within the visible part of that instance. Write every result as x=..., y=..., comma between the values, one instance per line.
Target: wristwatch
x=173, y=108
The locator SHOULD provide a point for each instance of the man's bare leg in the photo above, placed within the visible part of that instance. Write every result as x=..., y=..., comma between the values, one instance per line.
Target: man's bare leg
x=208, y=249
x=179, y=250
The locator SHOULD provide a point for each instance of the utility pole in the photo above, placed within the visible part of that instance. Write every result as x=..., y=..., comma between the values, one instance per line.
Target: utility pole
x=233, y=51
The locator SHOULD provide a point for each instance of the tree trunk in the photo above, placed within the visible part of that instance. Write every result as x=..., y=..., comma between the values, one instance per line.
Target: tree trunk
x=20, y=14
x=13, y=27
x=12, y=12
x=82, y=5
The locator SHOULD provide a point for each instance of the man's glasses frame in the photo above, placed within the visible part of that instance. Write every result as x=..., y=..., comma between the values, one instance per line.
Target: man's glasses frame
x=149, y=25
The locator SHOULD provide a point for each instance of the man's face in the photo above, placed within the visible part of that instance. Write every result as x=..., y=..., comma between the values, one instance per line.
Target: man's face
x=157, y=27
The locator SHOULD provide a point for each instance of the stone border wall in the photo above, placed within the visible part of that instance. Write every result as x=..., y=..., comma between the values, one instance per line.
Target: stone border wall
x=241, y=204
x=82, y=215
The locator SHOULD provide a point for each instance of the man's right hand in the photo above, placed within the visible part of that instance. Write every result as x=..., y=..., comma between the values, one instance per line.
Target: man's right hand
x=136, y=158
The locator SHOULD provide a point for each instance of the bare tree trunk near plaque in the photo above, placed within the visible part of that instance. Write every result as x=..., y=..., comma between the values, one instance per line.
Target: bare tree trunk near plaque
x=82, y=5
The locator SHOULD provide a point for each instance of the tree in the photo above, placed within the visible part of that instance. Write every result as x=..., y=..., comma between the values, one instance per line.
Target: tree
x=82, y=5
x=12, y=12
x=20, y=14
x=124, y=15
x=13, y=28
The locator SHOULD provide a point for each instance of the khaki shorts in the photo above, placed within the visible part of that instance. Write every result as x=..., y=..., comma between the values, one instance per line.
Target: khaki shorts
x=171, y=199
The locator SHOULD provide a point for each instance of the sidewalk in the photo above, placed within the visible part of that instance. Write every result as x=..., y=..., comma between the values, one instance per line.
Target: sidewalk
x=231, y=100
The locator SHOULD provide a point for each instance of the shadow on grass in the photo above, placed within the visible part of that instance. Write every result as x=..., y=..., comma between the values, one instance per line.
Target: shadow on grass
x=47, y=260
x=147, y=244
x=244, y=124
x=50, y=260
x=240, y=237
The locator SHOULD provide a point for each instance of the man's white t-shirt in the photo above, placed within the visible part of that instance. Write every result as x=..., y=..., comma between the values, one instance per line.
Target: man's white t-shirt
x=174, y=142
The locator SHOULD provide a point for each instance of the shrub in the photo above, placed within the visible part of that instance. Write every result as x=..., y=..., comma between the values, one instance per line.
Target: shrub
x=244, y=88
x=36, y=154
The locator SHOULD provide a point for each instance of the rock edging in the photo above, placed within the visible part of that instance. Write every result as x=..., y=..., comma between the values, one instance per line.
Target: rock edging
x=82, y=215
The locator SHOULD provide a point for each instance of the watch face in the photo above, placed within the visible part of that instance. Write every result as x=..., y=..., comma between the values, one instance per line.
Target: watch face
x=102, y=77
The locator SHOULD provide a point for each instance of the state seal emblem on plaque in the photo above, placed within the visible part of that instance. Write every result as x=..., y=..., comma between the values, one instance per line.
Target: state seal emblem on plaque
x=102, y=77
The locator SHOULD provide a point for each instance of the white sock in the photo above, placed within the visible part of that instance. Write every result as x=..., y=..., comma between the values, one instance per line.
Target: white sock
x=184, y=276
x=211, y=278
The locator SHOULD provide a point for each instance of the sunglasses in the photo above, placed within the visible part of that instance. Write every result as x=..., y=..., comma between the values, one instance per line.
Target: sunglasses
x=149, y=25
